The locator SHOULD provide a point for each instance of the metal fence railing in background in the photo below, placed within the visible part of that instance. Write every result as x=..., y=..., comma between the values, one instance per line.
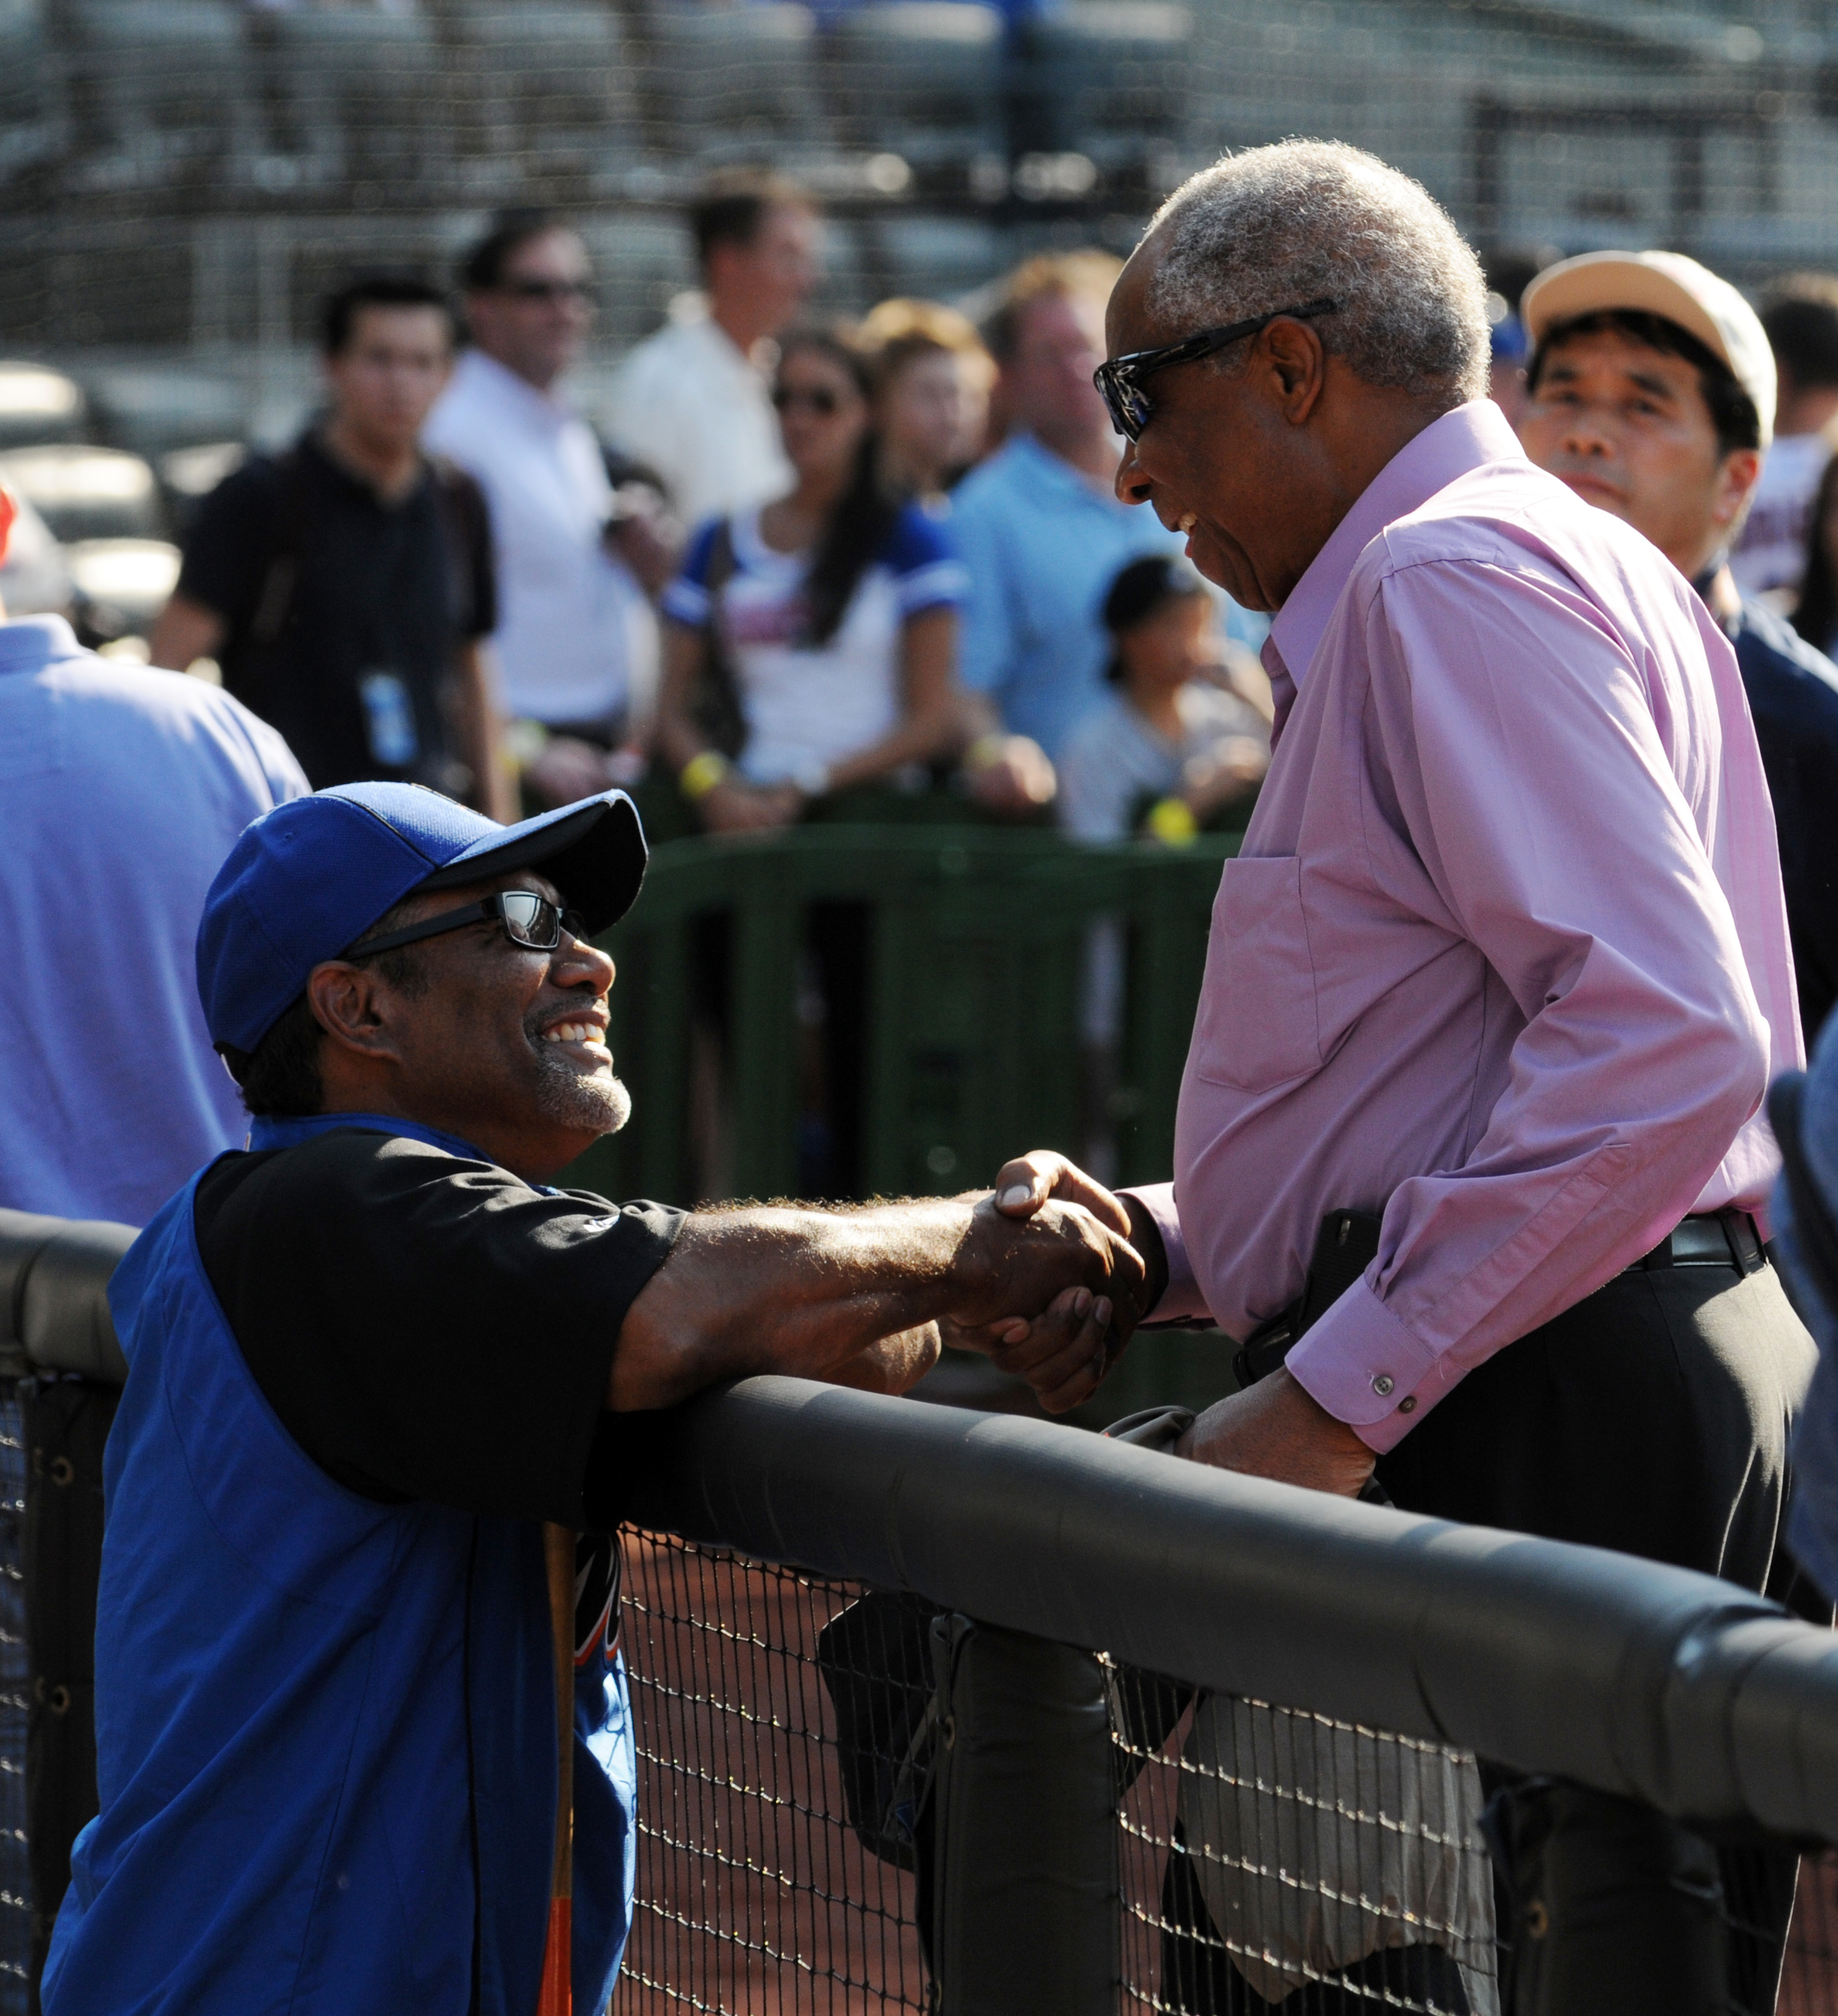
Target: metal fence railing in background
x=957, y=1077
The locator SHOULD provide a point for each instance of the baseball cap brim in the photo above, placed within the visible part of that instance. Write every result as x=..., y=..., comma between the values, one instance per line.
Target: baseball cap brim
x=1661, y=283
x=593, y=852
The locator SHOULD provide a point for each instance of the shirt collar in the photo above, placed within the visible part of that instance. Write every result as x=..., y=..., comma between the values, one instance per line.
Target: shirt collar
x=33, y=641
x=288, y=1130
x=499, y=382
x=1469, y=437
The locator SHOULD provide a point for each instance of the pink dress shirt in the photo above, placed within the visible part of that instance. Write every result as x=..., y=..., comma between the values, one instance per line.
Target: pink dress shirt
x=1504, y=956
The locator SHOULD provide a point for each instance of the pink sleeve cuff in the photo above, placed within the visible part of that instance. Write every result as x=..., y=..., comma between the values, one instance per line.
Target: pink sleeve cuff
x=1367, y=1369
x=1182, y=1297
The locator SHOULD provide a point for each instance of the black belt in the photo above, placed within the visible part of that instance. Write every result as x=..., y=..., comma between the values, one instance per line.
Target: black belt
x=1349, y=1242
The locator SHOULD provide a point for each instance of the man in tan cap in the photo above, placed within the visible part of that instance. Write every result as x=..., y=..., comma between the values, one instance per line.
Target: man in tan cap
x=1651, y=391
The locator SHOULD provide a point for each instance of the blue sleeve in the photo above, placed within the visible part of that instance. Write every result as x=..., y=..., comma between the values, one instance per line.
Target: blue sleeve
x=687, y=599
x=926, y=572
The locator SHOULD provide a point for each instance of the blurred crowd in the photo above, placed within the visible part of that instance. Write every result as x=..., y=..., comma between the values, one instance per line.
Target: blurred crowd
x=803, y=570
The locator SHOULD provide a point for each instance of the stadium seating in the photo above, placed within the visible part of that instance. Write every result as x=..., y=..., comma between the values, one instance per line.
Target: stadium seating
x=161, y=90
x=734, y=81
x=353, y=91
x=1107, y=79
x=551, y=81
x=921, y=79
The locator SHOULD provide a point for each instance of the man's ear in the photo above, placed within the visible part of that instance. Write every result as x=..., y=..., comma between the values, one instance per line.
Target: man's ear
x=1293, y=353
x=1736, y=479
x=354, y=1006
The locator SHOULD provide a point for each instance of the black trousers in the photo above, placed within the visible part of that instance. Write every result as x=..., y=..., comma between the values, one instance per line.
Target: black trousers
x=1653, y=1418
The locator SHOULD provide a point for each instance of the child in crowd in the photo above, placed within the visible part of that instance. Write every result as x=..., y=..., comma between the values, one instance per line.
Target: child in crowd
x=1173, y=750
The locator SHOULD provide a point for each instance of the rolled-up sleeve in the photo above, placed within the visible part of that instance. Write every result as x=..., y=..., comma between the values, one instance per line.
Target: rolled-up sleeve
x=1520, y=741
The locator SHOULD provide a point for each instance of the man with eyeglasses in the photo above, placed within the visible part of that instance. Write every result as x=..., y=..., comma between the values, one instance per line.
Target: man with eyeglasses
x=1493, y=989
x=577, y=558
x=368, y=1357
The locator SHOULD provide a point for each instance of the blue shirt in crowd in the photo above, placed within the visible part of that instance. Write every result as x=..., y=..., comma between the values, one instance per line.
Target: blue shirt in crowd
x=1043, y=543
x=121, y=790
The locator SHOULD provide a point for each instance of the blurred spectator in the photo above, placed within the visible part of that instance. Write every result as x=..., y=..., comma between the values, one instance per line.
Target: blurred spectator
x=1508, y=349
x=345, y=586
x=1038, y=525
x=1801, y=315
x=125, y=790
x=1816, y=613
x=692, y=401
x=1170, y=746
x=34, y=576
x=815, y=639
x=576, y=639
x=932, y=395
x=1651, y=390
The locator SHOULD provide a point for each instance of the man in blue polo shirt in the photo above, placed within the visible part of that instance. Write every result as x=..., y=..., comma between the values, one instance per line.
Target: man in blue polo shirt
x=1038, y=525
x=367, y=1357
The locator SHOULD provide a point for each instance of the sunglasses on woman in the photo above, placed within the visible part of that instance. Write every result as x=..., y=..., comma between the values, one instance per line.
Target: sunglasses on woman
x=1120, y=379
x=819, y=399
x=528, y=920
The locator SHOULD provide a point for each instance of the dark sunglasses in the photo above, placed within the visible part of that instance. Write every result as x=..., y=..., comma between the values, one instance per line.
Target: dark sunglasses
x=819, y=399
x=528, y=920
x=1120, y=379
x=548, y=290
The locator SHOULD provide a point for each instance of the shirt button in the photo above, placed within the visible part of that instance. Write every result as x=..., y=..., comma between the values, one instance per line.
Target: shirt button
x=1382, y=1384
x=1406, y=1405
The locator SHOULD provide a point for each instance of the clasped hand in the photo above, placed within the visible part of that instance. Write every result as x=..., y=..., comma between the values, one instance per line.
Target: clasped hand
x=1060, y=1287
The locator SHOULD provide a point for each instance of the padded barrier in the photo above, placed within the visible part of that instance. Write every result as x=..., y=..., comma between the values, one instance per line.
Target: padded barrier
x=1651, y=1681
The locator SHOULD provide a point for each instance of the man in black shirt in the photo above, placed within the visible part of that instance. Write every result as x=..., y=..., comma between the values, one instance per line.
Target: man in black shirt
x=346, y=586
x=368, y=1356
x=1652, y=393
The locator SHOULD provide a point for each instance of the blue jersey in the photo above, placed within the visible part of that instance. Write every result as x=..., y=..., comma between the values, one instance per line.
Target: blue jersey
x=325, y=1723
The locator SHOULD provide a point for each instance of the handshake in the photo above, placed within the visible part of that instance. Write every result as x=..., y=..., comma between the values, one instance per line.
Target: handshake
x=1058, y=1271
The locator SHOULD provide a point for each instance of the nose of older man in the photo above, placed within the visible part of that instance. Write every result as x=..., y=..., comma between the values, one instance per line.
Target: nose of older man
x=1132, y=486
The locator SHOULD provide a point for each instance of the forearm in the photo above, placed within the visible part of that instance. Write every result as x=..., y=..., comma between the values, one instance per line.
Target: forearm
x=481, y=732
x=915, y=741
x=184, y=632
x=775, y=1289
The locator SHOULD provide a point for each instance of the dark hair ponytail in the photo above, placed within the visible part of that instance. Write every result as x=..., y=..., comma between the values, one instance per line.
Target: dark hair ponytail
x=860, y=519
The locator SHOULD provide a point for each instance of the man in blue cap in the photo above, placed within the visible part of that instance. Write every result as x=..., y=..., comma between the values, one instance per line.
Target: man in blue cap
x=367, y=1357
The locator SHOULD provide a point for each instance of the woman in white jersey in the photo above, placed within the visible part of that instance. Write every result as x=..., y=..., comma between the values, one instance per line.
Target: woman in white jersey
x=815, y=638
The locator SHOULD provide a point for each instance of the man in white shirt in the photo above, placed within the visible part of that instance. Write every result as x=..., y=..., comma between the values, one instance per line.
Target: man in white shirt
x=1801, y=315
x=694, y=401
x=577, y=641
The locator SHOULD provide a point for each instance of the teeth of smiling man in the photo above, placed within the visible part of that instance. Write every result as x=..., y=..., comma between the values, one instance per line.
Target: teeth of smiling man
x=571, y=1032
x=1189, y=520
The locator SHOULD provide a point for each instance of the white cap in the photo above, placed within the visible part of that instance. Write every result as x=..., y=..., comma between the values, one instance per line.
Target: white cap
x=1661, y=283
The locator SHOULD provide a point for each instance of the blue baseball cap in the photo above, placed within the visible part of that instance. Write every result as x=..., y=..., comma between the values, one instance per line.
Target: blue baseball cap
x=305, y=882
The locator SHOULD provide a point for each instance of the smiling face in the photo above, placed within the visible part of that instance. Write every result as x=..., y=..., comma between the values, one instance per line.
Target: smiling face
x=1628, y=428
x=499, y=1044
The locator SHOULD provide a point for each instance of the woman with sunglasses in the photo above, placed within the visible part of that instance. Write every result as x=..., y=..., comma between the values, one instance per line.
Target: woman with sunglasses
x=810, y=646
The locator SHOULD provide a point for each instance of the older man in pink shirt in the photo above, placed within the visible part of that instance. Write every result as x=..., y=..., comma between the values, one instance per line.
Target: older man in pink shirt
x=1502, y=966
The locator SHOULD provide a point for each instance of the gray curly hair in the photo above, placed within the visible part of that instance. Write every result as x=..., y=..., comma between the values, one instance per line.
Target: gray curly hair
x=1275, y=227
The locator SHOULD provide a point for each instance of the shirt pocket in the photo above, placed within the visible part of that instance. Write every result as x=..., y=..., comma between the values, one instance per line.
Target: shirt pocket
x=1257, y=1024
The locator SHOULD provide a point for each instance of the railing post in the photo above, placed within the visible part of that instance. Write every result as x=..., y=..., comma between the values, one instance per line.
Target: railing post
x=1026, y=1893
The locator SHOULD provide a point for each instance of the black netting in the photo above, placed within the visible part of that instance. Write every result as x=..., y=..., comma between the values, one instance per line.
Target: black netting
x=756, y=1894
